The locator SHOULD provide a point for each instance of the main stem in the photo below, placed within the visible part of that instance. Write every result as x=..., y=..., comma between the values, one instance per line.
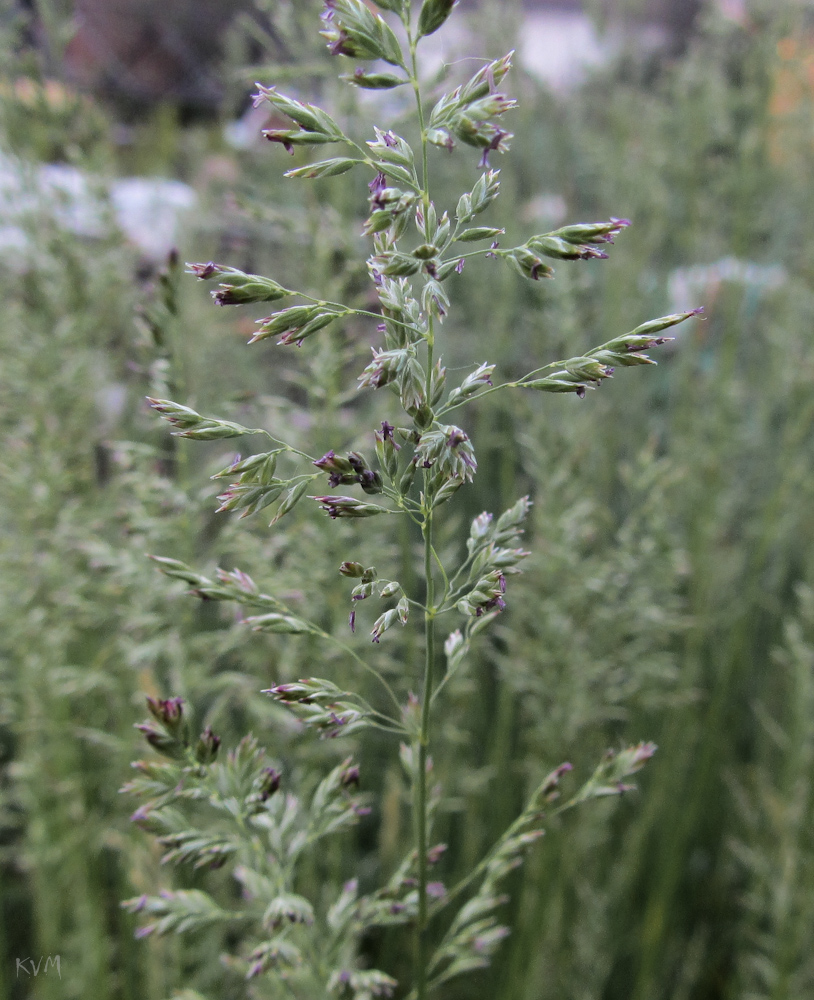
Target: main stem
x=420, y=786
x=420, y=760
x=425, y=187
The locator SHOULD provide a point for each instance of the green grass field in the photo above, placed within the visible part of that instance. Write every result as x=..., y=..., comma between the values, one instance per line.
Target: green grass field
x=670, y=595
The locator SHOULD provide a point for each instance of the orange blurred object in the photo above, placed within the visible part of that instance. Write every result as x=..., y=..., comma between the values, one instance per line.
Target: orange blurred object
x=791, y=106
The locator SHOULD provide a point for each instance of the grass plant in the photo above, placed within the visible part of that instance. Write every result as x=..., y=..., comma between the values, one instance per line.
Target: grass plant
x=234, y=816
x=666, y=595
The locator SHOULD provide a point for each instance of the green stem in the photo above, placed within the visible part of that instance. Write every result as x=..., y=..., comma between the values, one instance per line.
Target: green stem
x=519, y=384
x=351, y=311
x=288, y=448
x=517, y=827
x=420, y=787
x=425, y=188
x=363, y=664
x=440, y=565
x=423, y=739
x=447, y=407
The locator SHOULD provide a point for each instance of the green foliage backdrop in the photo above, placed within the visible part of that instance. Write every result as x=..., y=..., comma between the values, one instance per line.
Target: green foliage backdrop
x=669, y=596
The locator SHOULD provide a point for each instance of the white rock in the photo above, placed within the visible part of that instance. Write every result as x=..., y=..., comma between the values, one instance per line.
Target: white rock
x=149, y=211
x=687, y=286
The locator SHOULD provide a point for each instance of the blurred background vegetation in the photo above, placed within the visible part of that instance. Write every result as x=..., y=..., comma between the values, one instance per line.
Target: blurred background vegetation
x=671, y=591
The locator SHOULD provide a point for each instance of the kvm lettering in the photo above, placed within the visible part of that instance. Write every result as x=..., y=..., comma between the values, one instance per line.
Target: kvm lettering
x=30, y=969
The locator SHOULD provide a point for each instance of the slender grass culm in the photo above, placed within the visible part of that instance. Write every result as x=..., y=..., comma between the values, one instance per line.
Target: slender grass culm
x=238, y=811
